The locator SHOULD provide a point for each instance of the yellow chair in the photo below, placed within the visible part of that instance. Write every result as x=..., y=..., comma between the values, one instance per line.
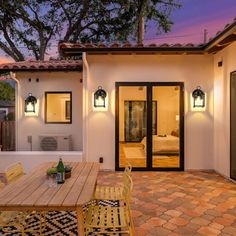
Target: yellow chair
x=112, y=192
x=101, y=220
x=16, y=218
x=13, y=172
x=9, y=218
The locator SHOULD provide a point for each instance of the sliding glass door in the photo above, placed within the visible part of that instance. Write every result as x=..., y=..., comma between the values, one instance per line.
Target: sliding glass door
x=132, y=125
x=166, y=143
x=149, y=125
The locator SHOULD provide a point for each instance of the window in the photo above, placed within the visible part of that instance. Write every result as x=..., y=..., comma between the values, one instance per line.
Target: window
x=58, y=107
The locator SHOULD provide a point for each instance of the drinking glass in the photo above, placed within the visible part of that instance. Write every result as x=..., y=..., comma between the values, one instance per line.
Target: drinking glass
x=52, y=181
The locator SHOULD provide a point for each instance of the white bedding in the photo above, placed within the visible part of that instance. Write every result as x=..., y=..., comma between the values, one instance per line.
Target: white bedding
x=163, y=144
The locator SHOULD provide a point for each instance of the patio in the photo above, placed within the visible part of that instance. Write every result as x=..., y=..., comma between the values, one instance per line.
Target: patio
x=180, y=203
x=164, y=203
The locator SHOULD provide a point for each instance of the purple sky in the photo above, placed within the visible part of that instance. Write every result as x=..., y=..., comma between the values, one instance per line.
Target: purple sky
x=189, y=23
x=192, y=18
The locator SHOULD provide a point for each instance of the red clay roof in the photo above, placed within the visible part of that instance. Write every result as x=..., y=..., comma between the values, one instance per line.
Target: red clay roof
x=52, y=65
x=221, y=40
x=87, y=46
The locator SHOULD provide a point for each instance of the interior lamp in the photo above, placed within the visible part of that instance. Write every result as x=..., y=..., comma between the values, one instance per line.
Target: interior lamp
x=100, y=98
x=198, y=98
x=30, y=105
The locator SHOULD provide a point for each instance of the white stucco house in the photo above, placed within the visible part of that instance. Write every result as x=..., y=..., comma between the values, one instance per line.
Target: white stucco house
x=130, y=73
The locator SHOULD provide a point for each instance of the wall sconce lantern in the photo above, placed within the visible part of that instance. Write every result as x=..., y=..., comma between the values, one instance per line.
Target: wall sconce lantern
x=30, y=104
x=100, y=98
x=198, y=98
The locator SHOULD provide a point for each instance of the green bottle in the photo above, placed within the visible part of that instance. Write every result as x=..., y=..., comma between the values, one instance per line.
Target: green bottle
x=60, y=172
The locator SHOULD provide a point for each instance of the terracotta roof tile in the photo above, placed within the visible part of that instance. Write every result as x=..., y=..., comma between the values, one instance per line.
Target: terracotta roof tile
x=116, y=47
x=190, y=45
x=125, y=45
x=152, y=45
x=43, y=65
x=102, y=45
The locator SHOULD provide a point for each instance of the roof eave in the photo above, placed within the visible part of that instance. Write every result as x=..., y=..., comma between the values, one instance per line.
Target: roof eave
x=141, y=50
x=40, y=70
x=223, y=39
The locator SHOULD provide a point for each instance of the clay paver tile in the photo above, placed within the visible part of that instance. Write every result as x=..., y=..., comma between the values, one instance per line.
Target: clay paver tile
x=209, y=231
x=136, y=213
x=179, y=221
x=229, y=230
x=200, y=221
x=173, y=213
x=156, y=221
x=217, y=226
x=223, y=221
x=165, y=199
x=170, y=226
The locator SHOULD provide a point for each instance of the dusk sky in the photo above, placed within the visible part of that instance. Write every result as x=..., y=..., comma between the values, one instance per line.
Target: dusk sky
x=189, y=23
x=193, y=17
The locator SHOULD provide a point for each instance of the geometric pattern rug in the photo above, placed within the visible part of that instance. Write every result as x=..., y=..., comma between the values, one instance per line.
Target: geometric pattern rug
x=58, y=223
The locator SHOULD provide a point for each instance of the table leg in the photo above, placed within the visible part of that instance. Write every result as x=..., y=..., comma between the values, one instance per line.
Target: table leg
x=80, y=221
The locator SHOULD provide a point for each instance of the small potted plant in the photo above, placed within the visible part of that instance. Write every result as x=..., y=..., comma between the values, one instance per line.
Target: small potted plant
x=68, y=171
x=52, y=171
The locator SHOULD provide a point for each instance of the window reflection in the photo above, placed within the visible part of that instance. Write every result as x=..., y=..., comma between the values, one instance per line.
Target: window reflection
x=58, y=107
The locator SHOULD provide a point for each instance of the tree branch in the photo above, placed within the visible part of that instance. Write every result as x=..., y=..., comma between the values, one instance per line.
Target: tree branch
x=78, y=21
x=12, y=45
x=9, y=52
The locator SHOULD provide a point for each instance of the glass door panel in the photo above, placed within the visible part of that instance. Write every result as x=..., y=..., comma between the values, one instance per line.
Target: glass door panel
x=166, y=141
x=132, y=126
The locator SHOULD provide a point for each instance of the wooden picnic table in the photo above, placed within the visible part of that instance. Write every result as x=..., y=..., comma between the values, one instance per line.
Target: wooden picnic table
x=31, y=192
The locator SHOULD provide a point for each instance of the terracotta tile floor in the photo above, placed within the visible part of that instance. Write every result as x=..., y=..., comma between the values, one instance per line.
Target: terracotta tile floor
x=180, y=203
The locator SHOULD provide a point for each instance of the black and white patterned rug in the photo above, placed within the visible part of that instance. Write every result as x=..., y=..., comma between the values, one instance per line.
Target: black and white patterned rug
x=58, y=223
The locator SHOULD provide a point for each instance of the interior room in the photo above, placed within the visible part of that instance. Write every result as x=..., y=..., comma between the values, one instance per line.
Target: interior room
x=165, y=126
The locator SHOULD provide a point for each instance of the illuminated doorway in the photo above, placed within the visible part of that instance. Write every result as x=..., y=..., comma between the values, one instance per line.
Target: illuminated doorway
x=150, y=125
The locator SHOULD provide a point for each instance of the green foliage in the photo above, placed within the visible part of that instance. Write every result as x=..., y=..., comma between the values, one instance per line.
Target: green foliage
x=7, y=92
x=52, y=170
x=28, y=27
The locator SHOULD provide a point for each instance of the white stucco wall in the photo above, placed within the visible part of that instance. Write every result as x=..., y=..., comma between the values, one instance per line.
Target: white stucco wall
x=222, y=108
x=35, y=126
x=105, y=70
x=30, y=160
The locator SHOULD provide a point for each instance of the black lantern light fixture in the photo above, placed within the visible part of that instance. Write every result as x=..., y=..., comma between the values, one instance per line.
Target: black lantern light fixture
x=100, y=98
x=198, y=98
x=30, y=104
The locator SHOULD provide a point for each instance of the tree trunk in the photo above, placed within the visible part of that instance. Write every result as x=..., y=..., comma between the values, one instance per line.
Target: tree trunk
x=141, y=30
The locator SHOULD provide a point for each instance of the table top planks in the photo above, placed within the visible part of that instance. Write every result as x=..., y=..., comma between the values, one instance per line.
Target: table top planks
x=32, y=192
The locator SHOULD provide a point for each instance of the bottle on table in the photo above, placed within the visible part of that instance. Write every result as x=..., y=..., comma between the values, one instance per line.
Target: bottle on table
x=60, y=172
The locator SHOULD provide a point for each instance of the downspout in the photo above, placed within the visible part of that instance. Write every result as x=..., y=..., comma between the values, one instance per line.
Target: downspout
x=85, y=106
x=17, y=105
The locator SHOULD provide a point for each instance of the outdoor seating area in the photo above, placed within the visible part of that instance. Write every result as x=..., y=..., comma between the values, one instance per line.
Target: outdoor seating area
x=30, y=197
x=94, y=202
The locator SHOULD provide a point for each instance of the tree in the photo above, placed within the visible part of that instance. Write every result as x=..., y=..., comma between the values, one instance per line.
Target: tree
x=28, y=27
x=157, y=11
x=94, y=20
x=7, y=92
